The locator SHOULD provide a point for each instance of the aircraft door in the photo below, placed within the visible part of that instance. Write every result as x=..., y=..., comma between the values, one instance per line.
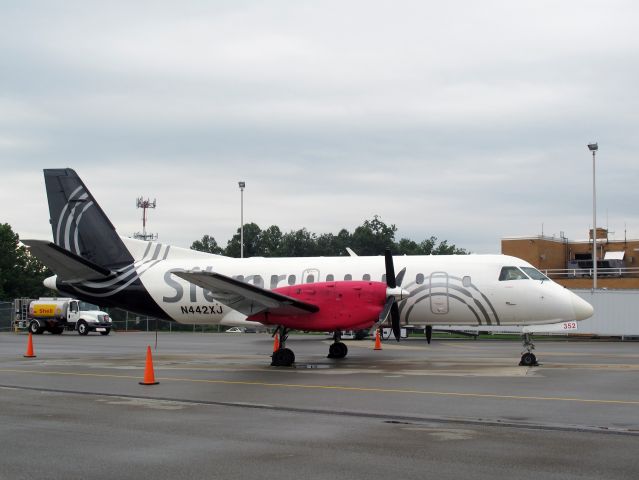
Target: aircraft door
x=310, y=275
x=438, y=293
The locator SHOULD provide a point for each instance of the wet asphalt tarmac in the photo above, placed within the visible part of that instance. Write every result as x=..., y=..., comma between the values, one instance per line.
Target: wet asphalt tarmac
x=454, y=408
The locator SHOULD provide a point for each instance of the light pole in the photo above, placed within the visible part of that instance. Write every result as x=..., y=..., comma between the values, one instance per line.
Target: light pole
x=242, y=185
x=593, y=147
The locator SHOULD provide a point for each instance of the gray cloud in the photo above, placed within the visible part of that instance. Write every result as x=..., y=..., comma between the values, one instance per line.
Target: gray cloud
x=467, y=121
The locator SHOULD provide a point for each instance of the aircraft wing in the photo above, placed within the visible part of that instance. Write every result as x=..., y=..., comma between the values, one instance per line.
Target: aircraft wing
x=246, y=298
x=68, y=266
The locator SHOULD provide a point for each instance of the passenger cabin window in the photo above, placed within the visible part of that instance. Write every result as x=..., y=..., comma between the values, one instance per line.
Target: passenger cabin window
x=291, y=279
x=466, y=281
x=419, y=279
x=348, y=277
x=310, y=278
x=383, y=277
x=366, y=277
x=330, y=277
x=534, y=273
x=511, y=273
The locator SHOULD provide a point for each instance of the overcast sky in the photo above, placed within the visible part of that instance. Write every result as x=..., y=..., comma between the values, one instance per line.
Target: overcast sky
x=465, y=120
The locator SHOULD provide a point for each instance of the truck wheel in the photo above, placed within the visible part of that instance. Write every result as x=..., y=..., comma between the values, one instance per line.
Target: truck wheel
x=83, y=328
x=106, y=332
x=35, y=328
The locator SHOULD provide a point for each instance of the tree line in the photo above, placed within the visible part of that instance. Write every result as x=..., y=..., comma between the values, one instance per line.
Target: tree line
x=370, y=238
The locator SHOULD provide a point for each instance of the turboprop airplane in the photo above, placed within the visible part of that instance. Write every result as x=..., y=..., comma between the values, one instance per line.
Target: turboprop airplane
x=93, y=263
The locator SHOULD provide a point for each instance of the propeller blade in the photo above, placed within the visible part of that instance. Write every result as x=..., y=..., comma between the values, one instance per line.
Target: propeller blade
x=400, y=276
x=395, y=321
x=383, y=316
x=390, y=269
x=429, y=333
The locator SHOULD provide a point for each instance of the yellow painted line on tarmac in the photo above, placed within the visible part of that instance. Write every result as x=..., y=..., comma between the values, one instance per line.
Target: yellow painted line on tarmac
x=339, y=388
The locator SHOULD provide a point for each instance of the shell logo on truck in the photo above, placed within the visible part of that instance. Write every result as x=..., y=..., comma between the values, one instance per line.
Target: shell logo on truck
x=45, y=310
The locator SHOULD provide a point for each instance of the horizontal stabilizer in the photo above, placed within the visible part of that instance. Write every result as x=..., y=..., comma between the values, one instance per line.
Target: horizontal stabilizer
x=68, y=266
x=246, y=298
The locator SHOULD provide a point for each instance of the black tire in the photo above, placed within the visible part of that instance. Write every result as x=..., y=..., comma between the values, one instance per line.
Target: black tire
x=83, y=328
x=283, y=357
x=528, y=360
x=337, y=350
x=106, y=332
x=35, y=328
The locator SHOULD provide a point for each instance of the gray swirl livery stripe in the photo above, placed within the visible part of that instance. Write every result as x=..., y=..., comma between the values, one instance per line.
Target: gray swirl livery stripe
x=421, y=299
x=77, y=229
x=473, y=287
x=450, y=287
x=61, y=216
x=69, y=224
x=146, y=266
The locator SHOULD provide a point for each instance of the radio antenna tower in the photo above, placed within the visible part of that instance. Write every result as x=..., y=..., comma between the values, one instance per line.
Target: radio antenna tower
x=144, y=205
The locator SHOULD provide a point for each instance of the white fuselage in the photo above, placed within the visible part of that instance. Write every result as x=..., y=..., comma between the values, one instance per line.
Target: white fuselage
x=446, y=289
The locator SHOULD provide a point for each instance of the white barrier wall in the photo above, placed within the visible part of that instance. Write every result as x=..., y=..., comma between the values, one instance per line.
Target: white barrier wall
x=616, y=312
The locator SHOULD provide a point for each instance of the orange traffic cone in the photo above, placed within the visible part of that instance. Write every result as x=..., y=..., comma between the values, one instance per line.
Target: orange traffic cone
x=149, y=376
x=29, y=353
x=276, y=342
x=378, y=341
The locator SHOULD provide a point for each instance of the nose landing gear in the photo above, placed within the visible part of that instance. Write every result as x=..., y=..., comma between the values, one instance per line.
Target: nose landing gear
x=528, y=359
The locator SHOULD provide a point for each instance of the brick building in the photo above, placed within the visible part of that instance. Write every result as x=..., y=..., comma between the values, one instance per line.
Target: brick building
x=570, y=262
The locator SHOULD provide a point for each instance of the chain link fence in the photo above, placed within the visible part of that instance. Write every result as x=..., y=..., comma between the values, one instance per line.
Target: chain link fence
x=6, y=316
x=124, y=321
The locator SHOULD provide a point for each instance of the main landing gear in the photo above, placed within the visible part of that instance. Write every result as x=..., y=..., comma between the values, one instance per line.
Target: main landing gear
x=337, y=348
x=528, y=359
x=282, y=357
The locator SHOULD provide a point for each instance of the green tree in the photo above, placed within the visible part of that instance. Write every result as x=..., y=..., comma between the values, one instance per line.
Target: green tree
x=270, y=240
x=207, y=244
x=300, y=243
x=373, y=237
x=252, y=234
x=21, y=275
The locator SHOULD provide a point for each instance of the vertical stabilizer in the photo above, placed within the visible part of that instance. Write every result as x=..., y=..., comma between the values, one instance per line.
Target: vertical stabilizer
x=79, y=225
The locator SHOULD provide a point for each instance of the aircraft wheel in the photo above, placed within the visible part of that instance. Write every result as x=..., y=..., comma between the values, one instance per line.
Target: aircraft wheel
x=283, y=357
x=337, y=350
x=528, y=359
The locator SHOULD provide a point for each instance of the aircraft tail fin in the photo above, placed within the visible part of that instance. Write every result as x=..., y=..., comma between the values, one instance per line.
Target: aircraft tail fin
x=78, y=223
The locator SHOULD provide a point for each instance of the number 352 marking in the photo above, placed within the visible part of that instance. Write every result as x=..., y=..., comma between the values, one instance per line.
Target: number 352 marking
x=570, y=325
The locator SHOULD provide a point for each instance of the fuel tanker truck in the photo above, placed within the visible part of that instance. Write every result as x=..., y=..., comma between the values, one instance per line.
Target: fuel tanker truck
x=58, y=314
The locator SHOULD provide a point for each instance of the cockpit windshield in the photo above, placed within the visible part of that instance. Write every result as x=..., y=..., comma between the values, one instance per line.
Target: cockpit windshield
x=534, y=273
x=511, y=273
